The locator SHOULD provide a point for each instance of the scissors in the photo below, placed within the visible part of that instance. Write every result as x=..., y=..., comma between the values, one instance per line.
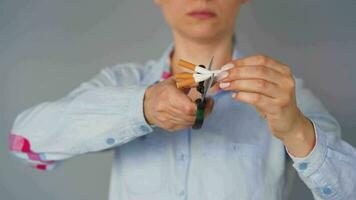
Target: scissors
x=204, y=77
x=203, y=88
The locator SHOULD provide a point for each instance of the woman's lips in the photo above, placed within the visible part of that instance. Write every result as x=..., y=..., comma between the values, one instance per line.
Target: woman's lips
x=202, y=14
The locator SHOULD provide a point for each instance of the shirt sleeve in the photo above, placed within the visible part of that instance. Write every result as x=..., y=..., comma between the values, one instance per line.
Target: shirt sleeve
x=329, y=170
x=101, y=113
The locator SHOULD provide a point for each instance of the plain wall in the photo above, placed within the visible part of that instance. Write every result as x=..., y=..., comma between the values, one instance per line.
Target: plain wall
x=47, y=48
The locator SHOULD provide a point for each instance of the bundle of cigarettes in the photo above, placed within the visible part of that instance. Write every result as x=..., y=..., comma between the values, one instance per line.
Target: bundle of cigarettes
x=199, y=74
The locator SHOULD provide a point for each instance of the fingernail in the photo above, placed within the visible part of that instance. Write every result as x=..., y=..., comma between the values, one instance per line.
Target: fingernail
x=224, y=85
x=227, y=66
x=222, y=75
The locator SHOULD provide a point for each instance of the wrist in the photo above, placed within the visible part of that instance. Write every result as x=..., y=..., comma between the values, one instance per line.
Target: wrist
x=146, y=105
x=302, y=139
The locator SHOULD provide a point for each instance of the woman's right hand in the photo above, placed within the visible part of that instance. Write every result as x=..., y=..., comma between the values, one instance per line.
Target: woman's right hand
x=168, y=107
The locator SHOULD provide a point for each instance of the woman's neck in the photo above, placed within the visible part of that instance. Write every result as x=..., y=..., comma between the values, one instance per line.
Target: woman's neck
x=199, y=52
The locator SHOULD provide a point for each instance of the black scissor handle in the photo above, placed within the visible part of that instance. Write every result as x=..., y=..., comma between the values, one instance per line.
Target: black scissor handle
x=199, y=120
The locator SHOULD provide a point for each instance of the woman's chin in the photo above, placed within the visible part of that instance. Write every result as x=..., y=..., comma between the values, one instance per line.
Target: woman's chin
x=202, y=34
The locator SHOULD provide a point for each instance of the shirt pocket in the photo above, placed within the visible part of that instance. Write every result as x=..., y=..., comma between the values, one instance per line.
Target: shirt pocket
x=239, y=165
x=143, y=165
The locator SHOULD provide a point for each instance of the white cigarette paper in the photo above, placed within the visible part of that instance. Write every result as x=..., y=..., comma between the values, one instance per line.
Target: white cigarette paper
x=201, y=77
x=201, y=70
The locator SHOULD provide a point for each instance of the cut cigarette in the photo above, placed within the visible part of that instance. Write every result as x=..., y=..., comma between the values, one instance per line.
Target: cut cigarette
x=185, y=83
x=201, y=70
x=186, y=64
x=195, y=68
x=196, y=77
x=201, y=77
x=183, y=75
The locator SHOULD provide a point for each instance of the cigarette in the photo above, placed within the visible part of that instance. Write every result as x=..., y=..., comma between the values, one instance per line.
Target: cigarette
x=185, y=83
x=197, y=68
x=197, y=77
x=194, y=78
x=201, y=77
x=193, y=67
x=202, y=70
x=183, y=75
x=186, y=64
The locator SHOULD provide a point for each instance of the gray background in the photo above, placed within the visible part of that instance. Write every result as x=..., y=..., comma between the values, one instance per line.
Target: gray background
x=47, y=48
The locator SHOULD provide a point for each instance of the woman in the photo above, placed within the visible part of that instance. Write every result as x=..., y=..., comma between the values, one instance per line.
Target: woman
x=236, y=155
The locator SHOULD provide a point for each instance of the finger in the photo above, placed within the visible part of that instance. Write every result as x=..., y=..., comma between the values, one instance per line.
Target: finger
x=188, y=108
x=182, y=102
x=264, y=61
x=180, y=114
x=263, y=103
x=178, y=127
x=254, y=72
x=256, y=86
x=180, y=122
x=190, y=119
x=185, y=90
x=179, y=108
x=170, y=120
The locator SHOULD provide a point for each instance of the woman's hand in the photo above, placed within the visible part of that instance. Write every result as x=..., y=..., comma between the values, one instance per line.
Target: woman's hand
x=269, y=86
x=170, y=108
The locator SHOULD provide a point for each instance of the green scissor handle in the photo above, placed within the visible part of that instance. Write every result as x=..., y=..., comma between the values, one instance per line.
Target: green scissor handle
x=203, y=89
x=199, y=120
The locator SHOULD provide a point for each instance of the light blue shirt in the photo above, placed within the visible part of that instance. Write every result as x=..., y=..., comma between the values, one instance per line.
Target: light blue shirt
x=233, y=157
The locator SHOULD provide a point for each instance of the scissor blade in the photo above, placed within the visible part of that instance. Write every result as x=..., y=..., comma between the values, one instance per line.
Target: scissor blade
x=211, y=63
x=206, y=83
x=210, y=80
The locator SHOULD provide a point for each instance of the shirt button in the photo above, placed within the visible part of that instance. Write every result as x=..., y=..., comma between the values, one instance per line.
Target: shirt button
x=303, y=166
x=144, y=128
x=182, y=193
x=182, y=157
x=326, y=190
x=110, y=141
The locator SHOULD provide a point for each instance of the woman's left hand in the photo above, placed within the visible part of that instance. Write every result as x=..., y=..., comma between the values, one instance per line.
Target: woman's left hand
x=269, y=86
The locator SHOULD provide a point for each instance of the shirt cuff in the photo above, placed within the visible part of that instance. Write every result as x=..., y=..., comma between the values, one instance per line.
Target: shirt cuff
x=137, y=116
x=313, y=161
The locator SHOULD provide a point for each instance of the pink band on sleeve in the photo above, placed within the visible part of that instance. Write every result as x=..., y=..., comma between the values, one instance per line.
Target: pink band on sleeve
x=41, y=167
x=21, y=144
x=166, y=75
x=18, y=143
